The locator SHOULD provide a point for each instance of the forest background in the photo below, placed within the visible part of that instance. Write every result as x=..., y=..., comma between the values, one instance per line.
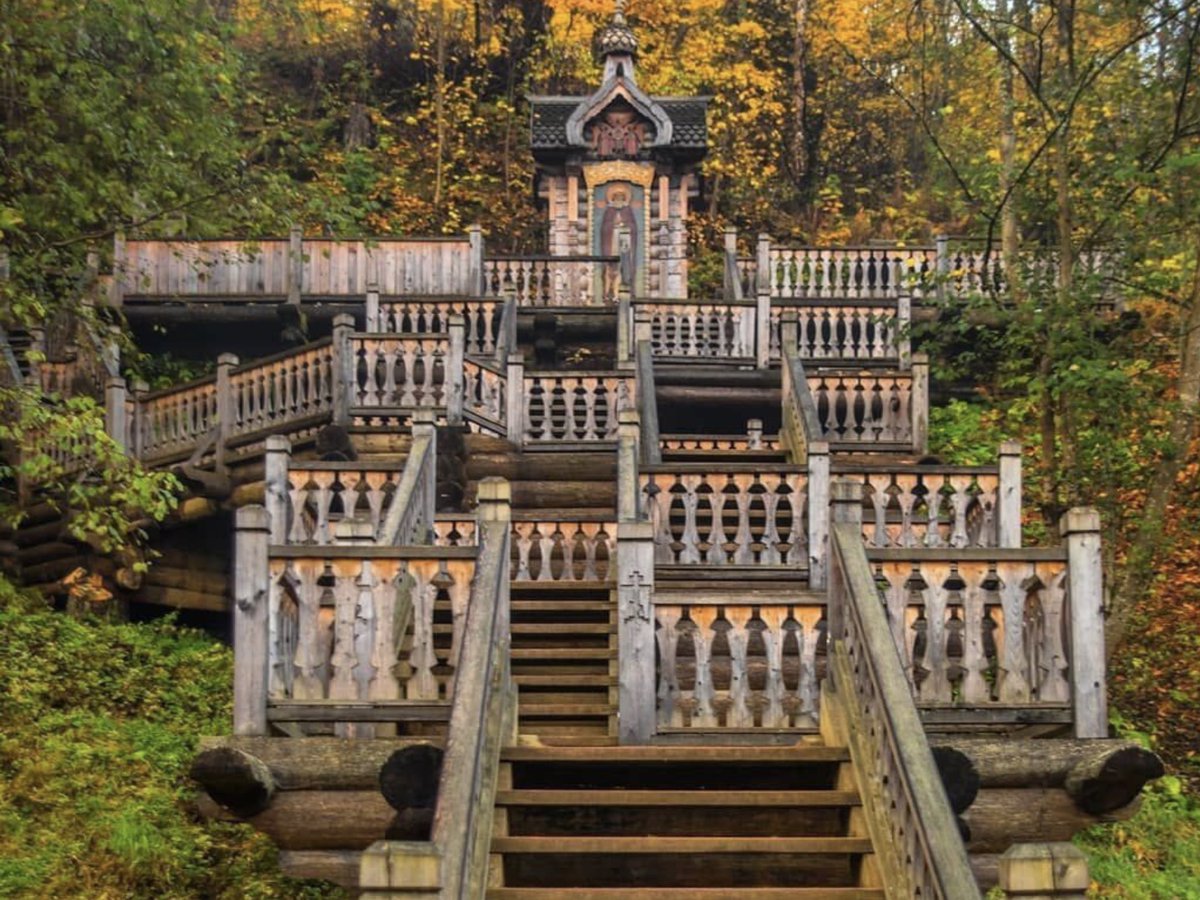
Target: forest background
x=1055, y=127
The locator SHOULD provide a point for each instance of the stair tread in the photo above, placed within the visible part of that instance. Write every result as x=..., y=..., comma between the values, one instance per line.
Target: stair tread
x=579, y=653
x=561, y=605
x=562, y=628
x=686, y=893
x=678, y=753
x=621, y=797
x=657, y=844
x=533, y=710
x=564, y=680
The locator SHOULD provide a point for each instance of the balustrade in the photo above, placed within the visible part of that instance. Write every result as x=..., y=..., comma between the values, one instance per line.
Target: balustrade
x=863, y=407
x=400, y=371
x=572, y=406
x=739, y=666
x=427, y=317
x=718, y=443
x=975, y=632
x=485, y=394
x=929, y=506
x=708, y=330
x=360, y=626
x=841, y=331
x=270, y=393
x=861, y=273
x=547, y=280
x=544, y=550
x=172, y=422
x=321, y=495
x=727, y=517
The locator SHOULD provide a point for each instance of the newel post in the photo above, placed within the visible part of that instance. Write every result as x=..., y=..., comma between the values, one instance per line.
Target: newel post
x=475, y=285
x=251, y=611
x=1008, y=503
x=635, y=589
x=1043, y=871
x=515, y=399
x=904, y=330
x=295, y=270
x=920, y=404
x=454, y=369
x=116, y=412
x=818, y=514
x=789, y=331
x=941, y=265
x=226, y=404
x=762, y=299
x=277, y=461
x=846, y=509
x=732, y=276
x=140, y=389
x=344, y=380
x=624, y=328
x=1080, y=529
x=372, y=323
x=754, y=434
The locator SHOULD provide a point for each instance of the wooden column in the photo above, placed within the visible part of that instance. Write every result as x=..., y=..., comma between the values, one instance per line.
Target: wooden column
x=1008, y=503
x=789, y=332
x=1080, y=529
x=635, y=632
x=762, y=293
x=116, y=421
x=628, y=435
x=251, y=609
x=226, y=408
x=624, y=328
x=475, y=268
x=140, y=388
x=920, y=404
x=295, y=271
x=454, y=369
x=818, y=514
x=847, y=501
x=754, y=434
x=1044, y=870
x=941, y=265
x=276, y=461
x=344, y=380
x=116, y=290
x=733, y=278
x=515, y=399
x=904, y=330
x=372, y=323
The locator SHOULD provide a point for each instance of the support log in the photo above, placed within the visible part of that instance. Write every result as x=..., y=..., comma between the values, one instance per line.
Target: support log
x=409, y=778
x=1000, y=817
x=238, y=781
x=325, y=820
x=339, y=866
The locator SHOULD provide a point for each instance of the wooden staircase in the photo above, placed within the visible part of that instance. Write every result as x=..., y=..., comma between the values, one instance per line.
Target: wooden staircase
x=584, y=823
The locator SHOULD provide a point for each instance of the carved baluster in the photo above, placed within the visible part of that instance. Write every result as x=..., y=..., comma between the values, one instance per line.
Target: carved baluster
x=670, y=711
x=658, y=500
x=308, y=684
x=457, y=585
x=974, y=683
x=1054, y=687
x=323, y=496
x=808, y=635
x=690, y=538
x=298, y=481
x=544, y=535
x=523, y=540
x=934, y=484
x=960, y=503
x=591, y=387
x=1016, y=682
x=881, y=499
x=703, y=714
x=907, y=499
x=590, y=533
x=774, y=715
x=738, y=714
x=283, y=631
x=743, y=553
x=770, y=535
x=937, y=686
x=422, y=684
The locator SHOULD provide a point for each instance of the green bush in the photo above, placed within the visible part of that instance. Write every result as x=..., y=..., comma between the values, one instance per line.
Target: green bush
x=100, y=723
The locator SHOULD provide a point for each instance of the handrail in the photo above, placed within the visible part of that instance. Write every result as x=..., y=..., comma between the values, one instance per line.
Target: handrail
x=801, y=423
x=911, y=824
x=647, y=405
x=483, y=713
x=506, y=338
x=409, y=519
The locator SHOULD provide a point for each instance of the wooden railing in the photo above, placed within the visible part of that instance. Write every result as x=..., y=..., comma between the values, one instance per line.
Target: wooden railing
x=699, y=330
x=544, y=550
x=485, y=395
x=571, y=407
x=732, y=515
x=551, y=280
x=703, y=444
x=735, y=665
x=429, y=316
x=969, y=266
x=402, y=371
x=862, y=331
x=867, y=408
x=869, y=705
x=857, y=273
x=296, y=266
x=320, y=496
x=410, y=519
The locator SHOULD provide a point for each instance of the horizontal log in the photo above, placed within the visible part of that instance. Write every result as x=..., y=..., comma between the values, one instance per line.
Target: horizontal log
x=713, y=395
x=46, y=573
x=557, y=495
x=359, y=711
x=47, y=552
x=1100, y=774
x=245, y=494
x=337, y=866
x=177, y=598
x=32, y=535
x=235, y=779
x=199, y=580
x=191, y=559
x=543, y=466
x=1001, y=817
x=986, y=869
x=325, y=820
x=194, y=508
x=318, y=763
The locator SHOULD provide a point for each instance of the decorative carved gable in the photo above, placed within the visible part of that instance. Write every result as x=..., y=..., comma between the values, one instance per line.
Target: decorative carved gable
x=624, y=115
x=619, y=132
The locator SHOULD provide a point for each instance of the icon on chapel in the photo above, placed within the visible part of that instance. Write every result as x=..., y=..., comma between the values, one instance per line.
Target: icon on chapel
x=618, y=204
x=618, y=134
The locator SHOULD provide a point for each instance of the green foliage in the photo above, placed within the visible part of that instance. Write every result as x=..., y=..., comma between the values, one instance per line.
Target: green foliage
x=100, y=725
x=66, y=454
x=965, y=434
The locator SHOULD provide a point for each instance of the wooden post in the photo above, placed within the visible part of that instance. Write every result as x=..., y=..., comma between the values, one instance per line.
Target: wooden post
x=1080, y=529
x=920, y=404
x=515, y=414
x=789, y=331
x=276, y=461
x=251, y=609
x=1042, y=871
x=762, y=295
x=624, y=329
x=295, y=280
x=635, y=639
x=818, y=514
x=847, y=500
x=941, y=266
x=454, y=369
x=424, y=429
x=733, y=277
x=1008, y=504
x=116, y=294
x=754, y=434
x=139, y=389
x=116, y=421
x=625, y=266
x=344, y=380
x=373, y=324
x=904, y=330
x=642, y=328
x=628, y=435
x=475, y=287
x=226, y=408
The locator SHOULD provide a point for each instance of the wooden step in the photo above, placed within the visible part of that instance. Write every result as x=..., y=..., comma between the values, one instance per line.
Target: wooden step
x=577, y=797
x=560, y=653
x=694, y=845
x=551, y=681
x=593, y=589
x=585, y=710
x=564, y=605
x=688, y=893
x=807, y=753
x=567, y=628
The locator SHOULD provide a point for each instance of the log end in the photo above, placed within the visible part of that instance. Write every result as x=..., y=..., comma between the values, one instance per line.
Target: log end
x=1111, y=781
x=408, y=779
x=238, y=781
x=960, y=777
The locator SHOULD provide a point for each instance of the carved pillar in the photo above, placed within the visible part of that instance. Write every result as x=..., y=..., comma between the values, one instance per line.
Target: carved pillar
x=635, y=610
x=251, y=611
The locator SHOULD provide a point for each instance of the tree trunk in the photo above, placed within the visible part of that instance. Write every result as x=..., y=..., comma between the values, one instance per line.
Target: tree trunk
x=799, y=96
x=1139, y=568
x=439, y=102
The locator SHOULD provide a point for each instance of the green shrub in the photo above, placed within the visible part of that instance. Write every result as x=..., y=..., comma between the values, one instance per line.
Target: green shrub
x=100, y=724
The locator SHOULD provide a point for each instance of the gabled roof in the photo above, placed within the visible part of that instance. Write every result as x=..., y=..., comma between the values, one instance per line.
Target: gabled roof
x=688, y=116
